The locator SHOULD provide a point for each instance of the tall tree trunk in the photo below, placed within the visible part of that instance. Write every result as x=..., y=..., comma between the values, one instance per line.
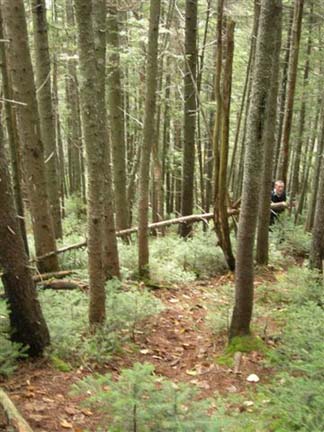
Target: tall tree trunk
x=95, y=151
x=239, y=178
x=110, y=257
x=74, y=133
x=14, y=144
x=295, y=184
x=190, y=113
x=26, y=319
x=46, y=112
x=240, y=324
x=148, y=134
x=317, y=248
x=116, y=111
x=262, y=247
x=317, y=171
x=292, y=78
x=21, y=73
x=283, y=95
x=221, y=133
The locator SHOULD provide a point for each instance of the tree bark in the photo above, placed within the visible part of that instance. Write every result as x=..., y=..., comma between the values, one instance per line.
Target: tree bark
x=95, y=151
x=190, y=113
x=74, y=132
x=240, y=324
x=14, y=144
x=110, y=255
x=295, y=183
x=221, y=134
x=116, y=108
x=46, y=112
x=317, y=248
x=26, y=319
x=292, y=78
x=21, y=72
x=262, y=247
x=148, y=134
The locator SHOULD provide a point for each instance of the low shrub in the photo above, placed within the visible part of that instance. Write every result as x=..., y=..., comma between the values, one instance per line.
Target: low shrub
x=142, y=401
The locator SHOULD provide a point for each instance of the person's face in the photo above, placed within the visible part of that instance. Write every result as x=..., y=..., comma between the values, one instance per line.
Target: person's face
x=279, y=188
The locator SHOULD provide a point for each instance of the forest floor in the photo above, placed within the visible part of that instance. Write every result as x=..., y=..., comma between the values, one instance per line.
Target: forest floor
x=178, y=342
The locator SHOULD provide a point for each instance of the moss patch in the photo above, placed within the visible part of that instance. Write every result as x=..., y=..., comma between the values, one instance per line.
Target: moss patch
x=243, y=344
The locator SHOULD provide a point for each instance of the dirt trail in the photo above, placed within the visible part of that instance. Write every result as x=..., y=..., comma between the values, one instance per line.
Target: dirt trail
x=177, y=341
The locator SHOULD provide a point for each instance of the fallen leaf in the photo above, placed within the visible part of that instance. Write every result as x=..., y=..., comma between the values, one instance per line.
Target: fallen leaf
x=66, y=425
x=144, y=351
x=87, y=412
x=191, y=372
x=70, y=410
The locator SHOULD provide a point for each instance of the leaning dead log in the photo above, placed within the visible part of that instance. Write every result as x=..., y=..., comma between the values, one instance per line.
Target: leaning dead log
x=10, y=418
x=205, y=217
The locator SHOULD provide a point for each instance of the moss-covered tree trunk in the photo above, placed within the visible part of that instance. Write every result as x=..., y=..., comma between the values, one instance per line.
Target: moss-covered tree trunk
x=190, y=113
x=261, y=85
x=95, y=152
x=46, y=112
x=26, y=319
x=148, y=135
x=24, y=91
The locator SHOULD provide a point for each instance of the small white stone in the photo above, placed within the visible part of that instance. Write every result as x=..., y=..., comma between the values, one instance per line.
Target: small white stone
x=253, y=378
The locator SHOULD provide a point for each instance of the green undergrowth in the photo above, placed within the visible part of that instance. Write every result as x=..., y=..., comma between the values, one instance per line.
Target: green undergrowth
x=294, y=399
x=67, y=316
x=173, y=260
x=10, y=351
x=142, y=401
x=289, y=239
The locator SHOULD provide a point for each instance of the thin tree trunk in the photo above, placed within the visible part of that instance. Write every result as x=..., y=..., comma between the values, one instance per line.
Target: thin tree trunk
x=148, y=133
x=283, y=95
x=292, y=78
x=190, y=113
x=75, y=153
x=116, y=111
x=317, y=248
x=110, y=256
x=317, y=171
x=239, y=179
x=21, y=72
x=26, y=319
x=295, y=184
x=221, y=133
x=46, y=112
x=95, y=151
x=242, y=314
x=262, y=247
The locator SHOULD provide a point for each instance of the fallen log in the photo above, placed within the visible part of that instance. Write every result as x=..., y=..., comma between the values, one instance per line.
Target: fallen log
x=205, y=217
x=54, y=275
x=63, y=284
x=10, y=418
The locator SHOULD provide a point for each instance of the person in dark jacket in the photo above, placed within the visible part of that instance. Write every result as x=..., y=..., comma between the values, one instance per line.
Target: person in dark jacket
x=278, y=195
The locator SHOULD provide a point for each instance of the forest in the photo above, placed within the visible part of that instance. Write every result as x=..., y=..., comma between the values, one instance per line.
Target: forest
x=161, y=215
